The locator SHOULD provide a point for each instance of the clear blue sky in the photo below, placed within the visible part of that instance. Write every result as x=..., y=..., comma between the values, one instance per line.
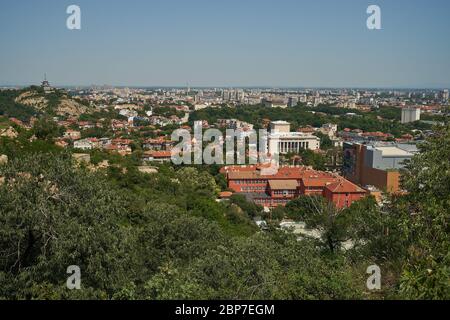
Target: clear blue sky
x=310, y=43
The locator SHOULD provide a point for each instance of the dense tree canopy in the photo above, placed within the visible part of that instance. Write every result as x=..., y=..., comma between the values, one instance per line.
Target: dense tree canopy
x=164, y=235
x=301, y=116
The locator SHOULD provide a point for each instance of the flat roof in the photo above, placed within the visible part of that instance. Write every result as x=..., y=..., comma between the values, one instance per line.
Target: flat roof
x=280, y=122
x=393, y=152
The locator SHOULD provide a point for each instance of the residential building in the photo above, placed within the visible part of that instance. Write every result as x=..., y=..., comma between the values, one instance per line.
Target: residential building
x=410, y=114
x=274, y=103
x=84, y=144
x=445, y=96
x=157, y=156
x=292, y=102
x=72, y=134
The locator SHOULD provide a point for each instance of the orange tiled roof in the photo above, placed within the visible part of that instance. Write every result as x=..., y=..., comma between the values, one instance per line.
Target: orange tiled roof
x=344, y=186
x=284, y=173
x=225, y=194
x=158, y=154
x=318, y=182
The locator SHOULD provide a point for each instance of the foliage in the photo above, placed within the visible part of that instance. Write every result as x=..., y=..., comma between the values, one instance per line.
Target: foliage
x=164, y=235
x=46, y=129
x=318, y=116
x=12, y=109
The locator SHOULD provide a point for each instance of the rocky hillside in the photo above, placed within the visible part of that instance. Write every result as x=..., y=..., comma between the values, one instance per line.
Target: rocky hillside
x=56, y=102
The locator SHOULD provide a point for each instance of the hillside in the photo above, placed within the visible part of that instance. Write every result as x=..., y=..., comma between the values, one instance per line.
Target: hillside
x=33, y=101
x=57, y=102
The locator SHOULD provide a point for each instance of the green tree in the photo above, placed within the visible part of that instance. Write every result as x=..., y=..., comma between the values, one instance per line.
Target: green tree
x=46, y=129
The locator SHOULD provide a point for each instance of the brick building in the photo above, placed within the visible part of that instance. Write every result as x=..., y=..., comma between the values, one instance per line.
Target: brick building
x=377, y=164
x=289, y=183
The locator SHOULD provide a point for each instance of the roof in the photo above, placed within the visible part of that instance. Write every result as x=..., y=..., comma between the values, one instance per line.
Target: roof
x=318, y=182
x=158, y=154
x=243, y=175
x=283, y=184
x=284, y=173
x=280, y=121
x=344, y=186
x=393, y=152
x=225, y=194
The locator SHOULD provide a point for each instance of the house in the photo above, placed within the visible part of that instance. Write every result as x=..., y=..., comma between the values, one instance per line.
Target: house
x=87, y=144
x=72, y=134
x=157, y=156
x=119, y=125
x=85, y=125
x=224, y=196
x=84, y=144
x=343, y=193
x=157, y=144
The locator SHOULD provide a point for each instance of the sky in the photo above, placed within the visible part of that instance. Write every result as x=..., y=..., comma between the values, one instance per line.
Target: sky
x=273, y=43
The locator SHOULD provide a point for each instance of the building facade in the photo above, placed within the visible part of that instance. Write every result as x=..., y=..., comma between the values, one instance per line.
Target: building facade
x=376, y=164
x=289, y=183
x=282, y=141
x=410, y=115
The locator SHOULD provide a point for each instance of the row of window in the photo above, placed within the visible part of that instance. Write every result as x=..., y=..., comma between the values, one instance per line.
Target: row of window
x=270, y=201
x=284, y=192
x=253, y=189
x=250, y=181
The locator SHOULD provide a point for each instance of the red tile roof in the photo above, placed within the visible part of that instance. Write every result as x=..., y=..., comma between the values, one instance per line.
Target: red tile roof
x=318, y=182
x=344, y=186
x=225, y=194
x=158, y=154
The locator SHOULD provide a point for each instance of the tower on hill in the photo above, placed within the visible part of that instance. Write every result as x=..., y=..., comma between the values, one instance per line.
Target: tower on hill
x=46, y=85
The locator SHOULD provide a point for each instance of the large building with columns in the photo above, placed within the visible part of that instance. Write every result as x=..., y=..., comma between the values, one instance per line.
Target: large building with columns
x=282, y=141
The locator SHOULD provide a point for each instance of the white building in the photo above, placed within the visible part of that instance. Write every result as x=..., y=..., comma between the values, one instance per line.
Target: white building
x=329, y=129
x=200, y=107
x=410, y=115
x=445, y=96
x=275, y=103
x=84, y=144
x=282, y=141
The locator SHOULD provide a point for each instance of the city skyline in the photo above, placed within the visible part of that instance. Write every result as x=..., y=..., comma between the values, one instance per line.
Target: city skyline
x=264, y=44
